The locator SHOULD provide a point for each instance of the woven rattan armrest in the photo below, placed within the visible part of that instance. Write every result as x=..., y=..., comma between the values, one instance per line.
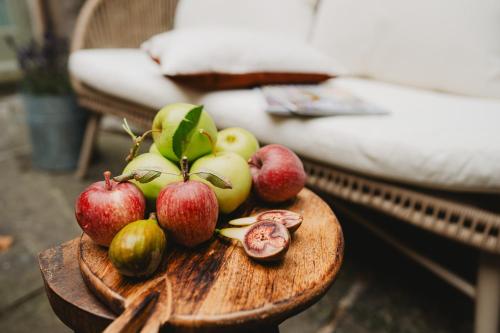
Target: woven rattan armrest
x=120, y=24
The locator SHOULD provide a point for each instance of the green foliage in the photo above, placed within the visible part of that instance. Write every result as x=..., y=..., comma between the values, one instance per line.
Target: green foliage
x=45, y=82
x=44, y=65
x=184, y=131
x=214, y=179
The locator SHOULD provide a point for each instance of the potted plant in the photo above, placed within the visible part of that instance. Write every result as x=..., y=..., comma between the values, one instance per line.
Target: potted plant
x=55, y=121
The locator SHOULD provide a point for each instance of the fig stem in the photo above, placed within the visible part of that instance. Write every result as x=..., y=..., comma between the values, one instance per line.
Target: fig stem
x=107, y=180
x=184, y=168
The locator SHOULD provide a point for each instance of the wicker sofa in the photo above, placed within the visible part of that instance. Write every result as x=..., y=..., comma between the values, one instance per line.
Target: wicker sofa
x=450, y=203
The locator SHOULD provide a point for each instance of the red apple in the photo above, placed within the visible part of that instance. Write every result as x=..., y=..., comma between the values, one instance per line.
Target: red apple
x=105, y=207
x=188, y=211
x=278, y=174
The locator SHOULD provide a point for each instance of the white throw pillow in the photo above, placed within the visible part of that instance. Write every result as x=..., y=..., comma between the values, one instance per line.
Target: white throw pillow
x=292, y=18
x=448, y=45
x=224, y=59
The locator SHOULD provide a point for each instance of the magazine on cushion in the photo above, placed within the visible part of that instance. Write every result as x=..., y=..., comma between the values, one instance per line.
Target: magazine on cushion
x=315, y=101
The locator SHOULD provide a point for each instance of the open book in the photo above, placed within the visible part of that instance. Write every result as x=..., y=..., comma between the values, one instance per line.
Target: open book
x=314, y=100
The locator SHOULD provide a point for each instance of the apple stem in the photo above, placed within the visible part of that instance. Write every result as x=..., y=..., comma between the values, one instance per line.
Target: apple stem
x=107, y=180
x=255, y=161
x=137, y=143
x=184, y=168
x=137, y=140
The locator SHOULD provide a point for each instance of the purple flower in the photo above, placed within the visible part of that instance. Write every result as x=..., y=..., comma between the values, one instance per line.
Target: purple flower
x=44, y=64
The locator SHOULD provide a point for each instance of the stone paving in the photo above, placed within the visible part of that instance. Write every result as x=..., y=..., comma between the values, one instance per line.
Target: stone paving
x=371, y=294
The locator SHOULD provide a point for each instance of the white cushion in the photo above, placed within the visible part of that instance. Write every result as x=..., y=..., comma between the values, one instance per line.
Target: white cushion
x=448, y=45
x=236, y=51
x=430, y=139
x=128, y=74
x=288, y=17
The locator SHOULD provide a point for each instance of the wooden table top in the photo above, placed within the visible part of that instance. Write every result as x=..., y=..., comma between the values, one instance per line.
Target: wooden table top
x=216, y=286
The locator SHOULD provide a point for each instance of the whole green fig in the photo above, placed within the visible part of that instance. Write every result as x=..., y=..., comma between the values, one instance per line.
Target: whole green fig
x=137, y=249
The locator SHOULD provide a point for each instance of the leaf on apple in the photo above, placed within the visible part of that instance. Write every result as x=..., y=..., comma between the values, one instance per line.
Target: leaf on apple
x=124, y=177
x=141, y=175
x=214, y=179
x=145, y=176
x=184, y=131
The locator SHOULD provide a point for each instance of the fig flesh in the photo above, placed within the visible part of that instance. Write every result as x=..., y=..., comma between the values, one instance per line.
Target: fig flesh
x=289, y=219
x=264, y=241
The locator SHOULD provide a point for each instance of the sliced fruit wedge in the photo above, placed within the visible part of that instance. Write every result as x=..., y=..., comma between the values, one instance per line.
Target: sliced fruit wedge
x=234, y=233
x=265, y=241
x=289, y=219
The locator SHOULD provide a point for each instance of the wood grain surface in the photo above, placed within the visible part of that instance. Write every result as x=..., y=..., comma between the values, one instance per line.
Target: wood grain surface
x=68, y=295
x=218, y=286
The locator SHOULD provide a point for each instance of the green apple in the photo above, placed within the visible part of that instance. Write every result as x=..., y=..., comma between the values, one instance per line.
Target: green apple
x=153, y=149
x=238, y=140
x=157, y=162
x=165, y=124
x=231, y=166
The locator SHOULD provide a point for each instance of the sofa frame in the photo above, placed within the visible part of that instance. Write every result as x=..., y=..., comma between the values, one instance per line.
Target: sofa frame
x=102, y=24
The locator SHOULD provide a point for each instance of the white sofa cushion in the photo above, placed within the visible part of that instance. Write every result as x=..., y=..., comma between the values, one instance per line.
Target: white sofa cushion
x=430, y=139
x=448, y=45
x=128, y=74
x=216, y=58
x=292, y=18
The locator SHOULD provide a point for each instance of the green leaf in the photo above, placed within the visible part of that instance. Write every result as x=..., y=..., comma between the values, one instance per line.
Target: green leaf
x=145, y=176
x=141, y=175
x=184, y=131
x=214, y=179
x=124, y=177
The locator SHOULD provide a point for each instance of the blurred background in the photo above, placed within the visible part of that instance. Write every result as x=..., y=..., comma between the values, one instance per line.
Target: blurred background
x=378, y=289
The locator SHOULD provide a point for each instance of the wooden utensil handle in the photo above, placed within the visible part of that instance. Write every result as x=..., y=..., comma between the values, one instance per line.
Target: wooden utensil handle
x=136, y=316
x=147, y=312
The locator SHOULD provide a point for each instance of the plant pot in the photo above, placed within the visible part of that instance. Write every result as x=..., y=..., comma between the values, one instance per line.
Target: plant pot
x=56, y=125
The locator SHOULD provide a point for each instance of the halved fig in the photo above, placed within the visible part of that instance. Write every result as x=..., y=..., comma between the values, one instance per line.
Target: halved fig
x=265, y=241
x=289, y=219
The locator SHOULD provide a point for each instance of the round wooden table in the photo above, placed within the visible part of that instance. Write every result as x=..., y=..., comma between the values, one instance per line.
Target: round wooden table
x=215, y=288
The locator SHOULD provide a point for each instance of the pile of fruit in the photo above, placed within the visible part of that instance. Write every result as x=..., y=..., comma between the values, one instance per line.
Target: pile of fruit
x=190, y=175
